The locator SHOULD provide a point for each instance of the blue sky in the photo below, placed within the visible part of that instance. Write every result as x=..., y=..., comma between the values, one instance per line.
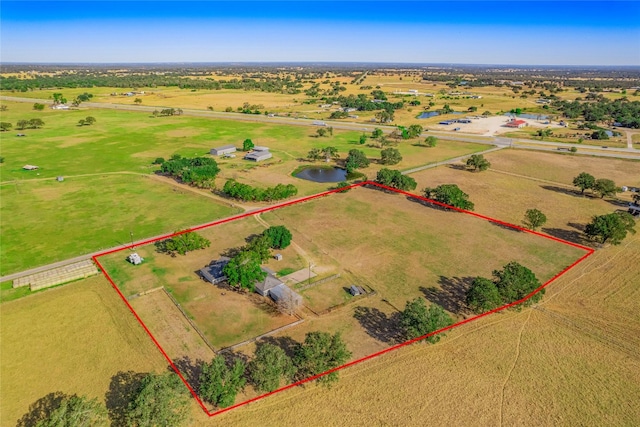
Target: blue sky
x=471, y=32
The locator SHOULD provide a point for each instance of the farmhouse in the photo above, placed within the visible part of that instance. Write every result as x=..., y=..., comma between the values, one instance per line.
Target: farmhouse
x=273, y=287
x=516, y=124
x=221, y=151
x=213, y=272
x=259, y=154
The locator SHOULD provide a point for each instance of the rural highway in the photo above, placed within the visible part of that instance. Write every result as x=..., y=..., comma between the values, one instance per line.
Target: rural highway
x=599, y=151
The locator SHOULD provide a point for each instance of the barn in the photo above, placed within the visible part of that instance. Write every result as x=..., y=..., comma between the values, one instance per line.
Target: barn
x=221, y=151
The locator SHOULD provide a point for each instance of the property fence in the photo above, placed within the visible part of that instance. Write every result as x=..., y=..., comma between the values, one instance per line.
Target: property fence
x=272, y=332
x=193, y=325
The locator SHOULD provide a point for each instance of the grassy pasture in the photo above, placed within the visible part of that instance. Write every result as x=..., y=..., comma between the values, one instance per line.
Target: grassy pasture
x=73, y=339
x=52, y=221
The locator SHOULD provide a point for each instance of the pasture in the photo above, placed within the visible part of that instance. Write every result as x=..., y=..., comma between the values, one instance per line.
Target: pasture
x=79, y=338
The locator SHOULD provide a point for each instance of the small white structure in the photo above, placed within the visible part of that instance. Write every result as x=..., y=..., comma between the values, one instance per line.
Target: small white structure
x=135, y=259
x=278, y=257
x=60, y=107
x=224, y=150
x=60, y=178
x=30, y=167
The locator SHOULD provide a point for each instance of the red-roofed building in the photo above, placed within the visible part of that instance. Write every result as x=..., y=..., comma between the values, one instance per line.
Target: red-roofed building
x=516, y=124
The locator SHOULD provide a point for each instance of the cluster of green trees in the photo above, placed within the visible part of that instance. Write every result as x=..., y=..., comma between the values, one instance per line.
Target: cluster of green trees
x=247, y=145
x=395, y=179
x=362, y=103
x=198, y=171
x=23, y=124
x=449, y=194
x=182, y=243
x=38, y=106
x=167, y=112
x=247, y=193
x=603, y=187
x=321, y=132
x=510, y=284
x=390, y=156
x=327, y=152
x=612, y=228
x=243, y=270
x=621, y=110
x=478, y=163
x=356, y=160
x=418, y=320
x=88, y=121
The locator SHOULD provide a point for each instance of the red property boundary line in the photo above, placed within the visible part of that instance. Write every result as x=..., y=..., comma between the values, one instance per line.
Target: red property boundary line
x=589, y=252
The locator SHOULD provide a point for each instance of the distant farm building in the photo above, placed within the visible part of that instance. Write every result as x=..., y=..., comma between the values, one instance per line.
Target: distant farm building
x=278, y=257
x=60, y=107
x=30, y=167
x=135, y=259
x=274, y=288
x=356, y=290
x=221, y=151
x=516, y=124
x=57, y=276
x=259, y=154
x=60, y=178
x=213, y=272
x=634, y=209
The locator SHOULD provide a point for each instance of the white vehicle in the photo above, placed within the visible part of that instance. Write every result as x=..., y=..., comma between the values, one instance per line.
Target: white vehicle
x=319, y=123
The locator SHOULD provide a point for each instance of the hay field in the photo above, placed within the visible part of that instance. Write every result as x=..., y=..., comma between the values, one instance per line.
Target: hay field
x=54, y=221
x=73, y=339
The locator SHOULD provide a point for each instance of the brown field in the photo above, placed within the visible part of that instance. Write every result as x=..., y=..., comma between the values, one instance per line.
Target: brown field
x=72, y=339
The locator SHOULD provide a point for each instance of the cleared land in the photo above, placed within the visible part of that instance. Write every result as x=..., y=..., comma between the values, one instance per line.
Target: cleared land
x=79, y=338
x=53, y=221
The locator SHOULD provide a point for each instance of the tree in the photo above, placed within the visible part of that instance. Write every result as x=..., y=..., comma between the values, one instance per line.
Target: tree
x=414, y=131
x=431, y=141
x=330, y=130
x=362, y=140
x=390, y=156
x=449, y=194
x=247, y=145
x=59, y=99
x=384, y=116
x=260, y=246
x=321, y=132
x=279, y=236
x=319, y=353
x=220, y=384
x=356, y=159
x=533, y=219
x=90, y=120
x=158, y=161
x=161, y=400
x=182, y=243
x=605, y=187
x=38, y=106
x=5, y=126
x=36, y=123
x=395, y=179
x=483, y=295
x=599, y=134
x=75, y=411
x=515, y=282
x=478, y=163
x=330, y=153
x=314, y=154
x=22, y=124
x=243, y=270
x=542, y=133
x=81, y=122
x=418, y=320
x=138, y=101
x=270, y=365
x=584, y=181
x=611, y=227
x=377, y=133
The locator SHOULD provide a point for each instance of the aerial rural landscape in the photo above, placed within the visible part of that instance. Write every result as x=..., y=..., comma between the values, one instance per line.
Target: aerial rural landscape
x=293, y=228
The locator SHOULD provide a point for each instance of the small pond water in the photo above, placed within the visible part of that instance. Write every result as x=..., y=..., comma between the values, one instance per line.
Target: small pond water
x=317, y=174
x=428, y=114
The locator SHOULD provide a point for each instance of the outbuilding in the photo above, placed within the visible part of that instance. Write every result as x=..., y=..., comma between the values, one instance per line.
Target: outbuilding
x=30, y=167
x=283, y=293
x=516, y=124
x=135, y=259
x=224, y=150
x=259, y=154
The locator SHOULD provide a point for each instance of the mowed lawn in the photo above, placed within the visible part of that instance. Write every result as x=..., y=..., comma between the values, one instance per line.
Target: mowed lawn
x=48, y=221
x=72, y=339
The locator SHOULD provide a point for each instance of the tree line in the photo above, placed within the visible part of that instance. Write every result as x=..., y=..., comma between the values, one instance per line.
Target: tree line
x=247, y=193
x=198, y=171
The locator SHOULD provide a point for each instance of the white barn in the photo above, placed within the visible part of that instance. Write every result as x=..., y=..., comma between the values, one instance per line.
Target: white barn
x=221, y=151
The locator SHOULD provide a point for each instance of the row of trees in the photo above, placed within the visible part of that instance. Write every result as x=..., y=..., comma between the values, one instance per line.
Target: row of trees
x=167, y=112
x=247, y=193
x=198, y=171
x=182, y=243
x=87, y=121
x=603, y=187
x=22, y=124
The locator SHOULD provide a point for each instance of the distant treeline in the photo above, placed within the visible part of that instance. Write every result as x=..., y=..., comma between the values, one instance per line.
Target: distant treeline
x=625, y=112
x=248, y=193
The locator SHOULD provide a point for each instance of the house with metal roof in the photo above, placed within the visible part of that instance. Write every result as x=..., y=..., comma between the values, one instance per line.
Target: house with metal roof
x=213, y=272
x=259, y=154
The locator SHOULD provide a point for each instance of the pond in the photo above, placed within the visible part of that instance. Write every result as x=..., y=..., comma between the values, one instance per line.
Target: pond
x=320, y=174
x=428, y=114
x=529, y=116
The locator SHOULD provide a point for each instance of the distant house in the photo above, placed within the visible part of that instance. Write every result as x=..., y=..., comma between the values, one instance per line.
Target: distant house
x=30, y=167
x=516, y=124
x=213, y=272
x=221, y=151
x=259, y=154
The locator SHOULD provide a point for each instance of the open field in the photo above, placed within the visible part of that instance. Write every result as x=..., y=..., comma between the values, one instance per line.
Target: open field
x=574, y=360
x=75, y=339
x=53, y=221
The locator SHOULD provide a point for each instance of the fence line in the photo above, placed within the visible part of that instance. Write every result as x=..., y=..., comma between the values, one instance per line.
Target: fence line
x=274, y=331
x=193, y=325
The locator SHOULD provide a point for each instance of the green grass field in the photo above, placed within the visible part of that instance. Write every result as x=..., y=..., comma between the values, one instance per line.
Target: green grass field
x=48, y=221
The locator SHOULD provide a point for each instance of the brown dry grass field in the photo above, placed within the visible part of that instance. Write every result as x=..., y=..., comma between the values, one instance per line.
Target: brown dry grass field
x=72, y=339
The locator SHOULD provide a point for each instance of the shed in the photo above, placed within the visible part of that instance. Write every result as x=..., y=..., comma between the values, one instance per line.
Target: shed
x=283, y=292
x=135, y=259
x=213, y=272
x=353, y=290
x=259, y=154
x=30, y=167
x=225, y=149
x=278, y=257
x=60, y=178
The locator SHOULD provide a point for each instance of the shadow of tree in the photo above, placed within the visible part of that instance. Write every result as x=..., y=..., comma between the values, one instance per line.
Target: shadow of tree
x=190, y=369
x=288, y=344
x=573, y=236
x=378, y=325
x=567, y=191
x=41, y=409
x=505, y=227
x=458, y=166
x=122, y=390
x=231, y=356
x=452, y=294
